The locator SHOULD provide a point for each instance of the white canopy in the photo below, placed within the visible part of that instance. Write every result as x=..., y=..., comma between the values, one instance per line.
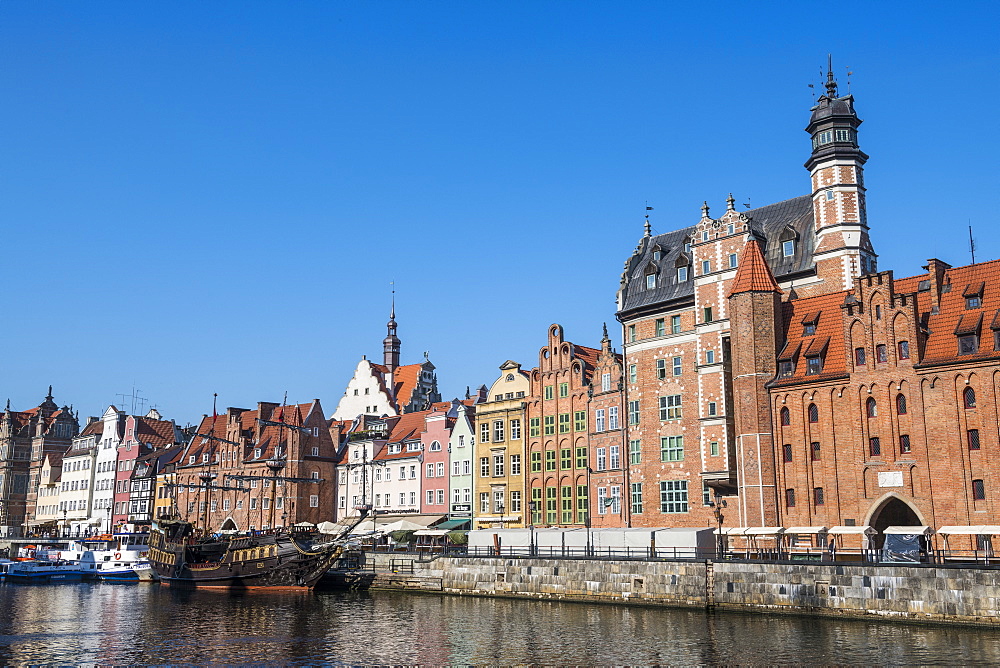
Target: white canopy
x=978, y=530
x=508, y=537
x=763, y=531
x=733, y=531
x=805, y=530
x=922, y=530
x=431, y=532
x=866, y=530
x=400, y=525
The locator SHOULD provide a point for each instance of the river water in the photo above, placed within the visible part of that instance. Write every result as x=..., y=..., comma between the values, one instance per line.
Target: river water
x=147, y=623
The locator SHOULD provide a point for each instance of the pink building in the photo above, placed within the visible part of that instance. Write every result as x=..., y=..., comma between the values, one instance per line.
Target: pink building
x=142, y=436
x=434, y=439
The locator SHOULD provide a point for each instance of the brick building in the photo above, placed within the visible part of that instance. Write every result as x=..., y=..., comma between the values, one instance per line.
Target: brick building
x=770, y=364
x=608, y=449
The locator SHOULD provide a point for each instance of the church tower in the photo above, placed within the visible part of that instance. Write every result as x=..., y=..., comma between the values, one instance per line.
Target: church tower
x=843, y=250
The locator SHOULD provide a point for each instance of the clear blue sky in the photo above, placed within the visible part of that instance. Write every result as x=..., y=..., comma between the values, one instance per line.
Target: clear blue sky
x=213, y=197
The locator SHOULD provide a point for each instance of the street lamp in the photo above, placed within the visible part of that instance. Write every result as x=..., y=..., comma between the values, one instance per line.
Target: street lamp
x=500, y=509
x=717, y=507
x=64, y=524
x=109, y=517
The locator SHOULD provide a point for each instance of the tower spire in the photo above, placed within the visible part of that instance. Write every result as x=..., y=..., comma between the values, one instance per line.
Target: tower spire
x=831, y=83
x=390, y=344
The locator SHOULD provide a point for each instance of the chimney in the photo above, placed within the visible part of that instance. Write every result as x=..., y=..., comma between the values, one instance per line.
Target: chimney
x=935, y=272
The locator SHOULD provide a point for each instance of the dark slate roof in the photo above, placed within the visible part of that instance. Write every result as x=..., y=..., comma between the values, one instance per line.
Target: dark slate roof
x=768, y=222
x=828, y=107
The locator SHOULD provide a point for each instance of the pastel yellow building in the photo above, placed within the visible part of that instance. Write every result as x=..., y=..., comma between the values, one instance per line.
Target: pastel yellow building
x=499, y=466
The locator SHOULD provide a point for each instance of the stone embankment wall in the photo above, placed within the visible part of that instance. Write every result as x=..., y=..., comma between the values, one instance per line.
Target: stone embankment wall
x=904, y=593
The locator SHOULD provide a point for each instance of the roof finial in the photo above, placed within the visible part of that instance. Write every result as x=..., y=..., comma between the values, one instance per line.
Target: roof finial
x=8, y=405
x=704, y=209
x=648, y=227
x=49, y=396
x=831, y=83
x=730, y=203
x=606, y=337
x=392, y=312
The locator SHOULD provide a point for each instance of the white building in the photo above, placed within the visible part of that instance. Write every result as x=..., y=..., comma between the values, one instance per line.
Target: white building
x=462, y=449
x=77, y=484
x=106, y=465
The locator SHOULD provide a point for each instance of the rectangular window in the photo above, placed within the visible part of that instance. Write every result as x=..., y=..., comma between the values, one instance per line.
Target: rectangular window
x=581, y=504
x=616, y=457
x=550, y=460
x=786, y=452
x=430, y=497
x=972, y=301
x=605, y=382
x=515, y=501
x=670, y=407
x=484, y=467
x=564, y=423
x=551, y=504
x=732, y=260
x=566, y=458
x=634, y=452
x=536, y=462
x=631, y=338
x=713, y=448
x=498, y=434
x=602, y=459
x=484, y=502
x=484, y=432
x=563, y=389
x=660, y=327
x=859, y=357
x=632, y=373
x=676, y=364
x=650, y=281
x=548, y=392
x=550, y=425
x=706, y=267
x=674, y=496
x=440, y=497
x=874, y=446
x=790, y=498
x=904, y=350
x=814, y=366
x=536, y=505
x=972, y=437
x=713, y=408
x=672, y=449
x=633, y=412
x=636, y=490
x=613, y=417
x=818, y=496
x=708, y=314
x=661, y=369
x=498, y=459
x=881, y=354
x=581, y=457
x=580, y=421
x=978, y=490
x=599, y=419
x=968, y=344
x=675, y=324
x=515, y=430
x=515, y=465
x=814, y=449
x=788, y=248
x=785, y=368
x=904, y=443
x=682, y=274
x=498, y=501
x=602, y=507
x=534, y=427
x=430, y=470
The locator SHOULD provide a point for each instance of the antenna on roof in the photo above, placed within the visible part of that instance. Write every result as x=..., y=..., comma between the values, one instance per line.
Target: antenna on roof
x=849, y=73
x=747, y=203
x=648, y=227
x=972, y=243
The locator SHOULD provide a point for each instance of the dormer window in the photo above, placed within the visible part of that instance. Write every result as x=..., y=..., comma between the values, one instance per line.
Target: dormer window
x=968, y=344
x=788, y=248
x=814, y=365
x=656, y=253
x=650, y=281
x=682, y=274
x=973, y=294
x=785, y=370
x=809, y=329
x=787, y=238
x=972, y=302
x=844, y=134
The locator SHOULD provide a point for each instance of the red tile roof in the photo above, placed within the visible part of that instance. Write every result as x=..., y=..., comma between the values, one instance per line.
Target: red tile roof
x=828, y=340
x=95, y=427
x=158, y=433
x=405, y=380
x=953, y=318
x=753, y=274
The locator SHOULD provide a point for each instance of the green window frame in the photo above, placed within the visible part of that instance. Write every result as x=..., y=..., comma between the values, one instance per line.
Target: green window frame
x=536, y=499
x=551, y=504
x=634, y=452
x=713, y=448
x=564, y=423
x=534, y=427
x=672, y=449
x=582, y=504
x=580, y=421
x=581, y=457
x=633, y=373
x=637, y=498
x=674, y=496
x=550, y=460
x=536, y=462
x=567, y=505
x=550, y=425
x=563, y=389
x=566, y=458
x=548, y=391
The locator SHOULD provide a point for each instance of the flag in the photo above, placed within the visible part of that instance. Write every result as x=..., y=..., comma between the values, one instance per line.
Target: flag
x=649, y=208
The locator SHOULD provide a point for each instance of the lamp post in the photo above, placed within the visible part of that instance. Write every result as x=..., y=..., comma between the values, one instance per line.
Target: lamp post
x=717, y=507
x=109, y=517
x=589, y=471
x=500, y=509
x=276, y=464
x=63, y=524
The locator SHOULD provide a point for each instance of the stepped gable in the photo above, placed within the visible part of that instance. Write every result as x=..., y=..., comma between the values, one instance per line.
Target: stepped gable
x=953, y=319
x=828, y=340
x=753, y=274
x=791, y=218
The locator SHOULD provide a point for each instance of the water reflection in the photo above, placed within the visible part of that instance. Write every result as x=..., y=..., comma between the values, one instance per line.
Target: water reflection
x=138, y=624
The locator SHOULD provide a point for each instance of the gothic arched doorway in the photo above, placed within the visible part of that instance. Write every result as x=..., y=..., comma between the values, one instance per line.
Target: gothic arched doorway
x=893, y=512
x=229, y=525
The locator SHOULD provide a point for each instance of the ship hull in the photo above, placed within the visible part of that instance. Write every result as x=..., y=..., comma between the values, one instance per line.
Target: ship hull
x=244, y=562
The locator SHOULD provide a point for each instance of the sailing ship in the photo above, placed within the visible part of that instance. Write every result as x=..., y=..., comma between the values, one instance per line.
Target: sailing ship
x=182, y=553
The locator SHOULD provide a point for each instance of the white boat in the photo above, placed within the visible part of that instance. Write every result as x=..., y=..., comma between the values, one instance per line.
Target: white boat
x=43, y=572
x=120, y=557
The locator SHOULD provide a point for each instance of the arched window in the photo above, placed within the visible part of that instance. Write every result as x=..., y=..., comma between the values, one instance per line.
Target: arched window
x=813, y=413
x=871, y=408
x=969, y=397
x=901, y=404
x=785, y=417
